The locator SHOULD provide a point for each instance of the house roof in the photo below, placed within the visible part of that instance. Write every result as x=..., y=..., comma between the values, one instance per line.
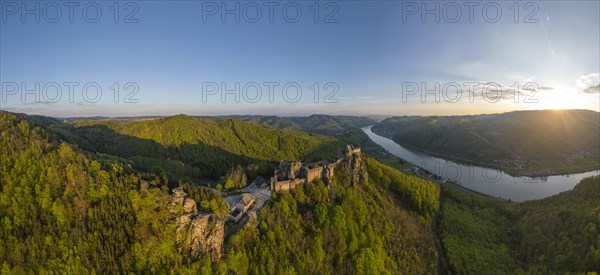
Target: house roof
x=259, y=181
x=246, y=200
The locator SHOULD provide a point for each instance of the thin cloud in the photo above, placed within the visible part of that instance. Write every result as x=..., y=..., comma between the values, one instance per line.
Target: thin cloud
x=589, y=83
x=592, y=89
x=494, y=90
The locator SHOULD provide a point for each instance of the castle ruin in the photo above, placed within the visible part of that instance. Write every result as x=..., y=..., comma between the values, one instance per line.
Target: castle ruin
x=290, y=174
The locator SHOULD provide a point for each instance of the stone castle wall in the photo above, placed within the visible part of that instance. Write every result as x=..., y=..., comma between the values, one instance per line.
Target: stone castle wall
x=284, y=185
x=290, y=174
x=313, y=174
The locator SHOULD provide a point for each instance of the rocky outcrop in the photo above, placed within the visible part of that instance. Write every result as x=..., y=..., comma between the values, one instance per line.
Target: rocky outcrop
x=352, y=169
x=359, y=170
x=197, y=234
x=289, y=169
x=189, y=206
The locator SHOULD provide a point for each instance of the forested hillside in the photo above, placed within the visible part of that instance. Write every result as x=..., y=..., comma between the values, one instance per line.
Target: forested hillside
x=549, y=141
x=380, y=225
x=198, y=148
x=321, y=124
x=64, y=211
x=68, y=210
x=562, y=233
x=559, y=234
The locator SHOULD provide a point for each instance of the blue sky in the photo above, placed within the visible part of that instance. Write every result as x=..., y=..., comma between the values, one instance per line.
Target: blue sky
x=371, y=54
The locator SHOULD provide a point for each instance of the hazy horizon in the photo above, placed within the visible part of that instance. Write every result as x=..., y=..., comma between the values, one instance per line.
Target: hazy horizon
x=374, y=116
x=349, y=58
x=299, y=137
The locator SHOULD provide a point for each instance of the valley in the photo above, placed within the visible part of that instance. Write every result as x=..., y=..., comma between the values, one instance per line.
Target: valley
x=520, y=143
x=299, y=137
x=364, y=217
x=480, y=179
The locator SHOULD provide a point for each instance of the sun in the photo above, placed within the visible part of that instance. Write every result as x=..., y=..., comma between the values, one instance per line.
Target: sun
x=557, y=100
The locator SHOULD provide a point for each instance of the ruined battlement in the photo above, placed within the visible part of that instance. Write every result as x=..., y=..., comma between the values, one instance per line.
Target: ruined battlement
x=290, y=174
x=350, y=151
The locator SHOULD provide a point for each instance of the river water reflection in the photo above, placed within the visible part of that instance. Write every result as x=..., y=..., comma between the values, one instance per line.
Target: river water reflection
x=482, y=179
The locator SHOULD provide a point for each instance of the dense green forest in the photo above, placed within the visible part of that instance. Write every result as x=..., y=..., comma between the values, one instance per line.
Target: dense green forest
x=199, y=148
x=321, y=124
x=558, y=234
x=477, y=233
x=363, y=228
x=562, y=233
x=551, y=141
x=66, y=212
x=65, y=208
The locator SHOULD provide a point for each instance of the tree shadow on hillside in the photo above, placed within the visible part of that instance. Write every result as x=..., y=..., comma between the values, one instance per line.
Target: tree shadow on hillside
x=192, y=161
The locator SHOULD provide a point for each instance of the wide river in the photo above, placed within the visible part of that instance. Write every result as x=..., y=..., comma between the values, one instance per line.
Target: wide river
x=482, y=179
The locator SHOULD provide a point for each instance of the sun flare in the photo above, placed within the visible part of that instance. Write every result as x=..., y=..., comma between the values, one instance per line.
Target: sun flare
x=558, y=100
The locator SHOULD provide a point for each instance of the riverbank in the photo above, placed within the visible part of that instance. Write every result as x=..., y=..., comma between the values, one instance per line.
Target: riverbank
x=520, y=168
x=374, y=150
x=492, y=182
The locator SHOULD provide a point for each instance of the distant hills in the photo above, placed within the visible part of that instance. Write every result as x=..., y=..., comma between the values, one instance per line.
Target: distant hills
x=71, y=202
x=322, y=124
x=95, y=197
x=208, y=147
x=317, y=123
x=521, y=142
x=196, y=147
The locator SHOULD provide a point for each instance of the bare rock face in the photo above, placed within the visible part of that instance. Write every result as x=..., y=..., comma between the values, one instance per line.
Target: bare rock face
x=290, y=170
x=353, y=168
x=205, y=237
x=189, y=206
x=359, y=170
x=197, y=235
x=177, y=198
